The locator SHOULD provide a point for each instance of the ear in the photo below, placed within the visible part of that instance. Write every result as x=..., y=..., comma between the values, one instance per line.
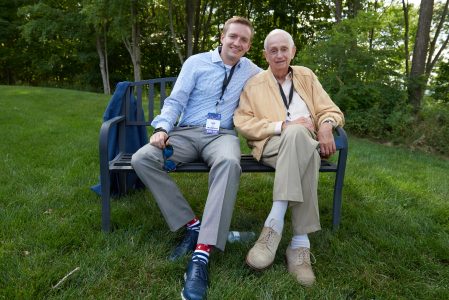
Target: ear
x=293, y=52
x=249, y=47
x=221, y=38
x=265, y=54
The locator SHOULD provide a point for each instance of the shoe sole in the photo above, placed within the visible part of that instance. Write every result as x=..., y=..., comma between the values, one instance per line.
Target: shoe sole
x=182, y=296
x=255, y=268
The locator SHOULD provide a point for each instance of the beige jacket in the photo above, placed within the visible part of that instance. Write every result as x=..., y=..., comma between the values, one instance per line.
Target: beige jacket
x=261, y=106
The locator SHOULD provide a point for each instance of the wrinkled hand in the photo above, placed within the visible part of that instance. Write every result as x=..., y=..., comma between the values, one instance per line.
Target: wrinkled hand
x=159, y=139
x=326, y=140
x=304, y=121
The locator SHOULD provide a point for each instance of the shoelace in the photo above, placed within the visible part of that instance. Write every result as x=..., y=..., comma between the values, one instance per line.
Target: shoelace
x=199, y=273
x=302, y=255
x=268, y=239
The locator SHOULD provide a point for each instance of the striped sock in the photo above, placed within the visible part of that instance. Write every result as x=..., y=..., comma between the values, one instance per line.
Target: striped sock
x=201, y=253
x=195, y=224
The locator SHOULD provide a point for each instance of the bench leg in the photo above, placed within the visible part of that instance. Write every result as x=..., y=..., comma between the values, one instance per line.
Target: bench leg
x=336, y=214
x=105, y=201
x=338, y=188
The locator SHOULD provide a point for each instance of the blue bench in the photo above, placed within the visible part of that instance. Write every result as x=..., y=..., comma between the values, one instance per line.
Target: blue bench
x=158, y=89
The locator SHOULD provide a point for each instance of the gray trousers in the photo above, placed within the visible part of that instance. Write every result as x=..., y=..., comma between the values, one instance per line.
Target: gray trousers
x=222, y=153
x=295, y=157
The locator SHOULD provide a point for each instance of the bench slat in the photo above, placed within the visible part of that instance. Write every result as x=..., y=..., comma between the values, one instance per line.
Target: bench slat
x=123, y=163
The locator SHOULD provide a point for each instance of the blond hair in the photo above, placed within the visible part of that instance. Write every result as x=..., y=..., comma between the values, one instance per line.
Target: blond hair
x=239, y=20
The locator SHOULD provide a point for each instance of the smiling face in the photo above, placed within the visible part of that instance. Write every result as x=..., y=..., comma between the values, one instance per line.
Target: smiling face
x=236, y=41
x=279, y=52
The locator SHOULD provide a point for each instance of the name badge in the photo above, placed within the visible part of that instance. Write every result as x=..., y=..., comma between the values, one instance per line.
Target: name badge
x=213, y=123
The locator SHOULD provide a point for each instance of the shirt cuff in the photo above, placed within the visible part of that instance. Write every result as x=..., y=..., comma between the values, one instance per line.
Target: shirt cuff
x=278, y=127
x=163, y=125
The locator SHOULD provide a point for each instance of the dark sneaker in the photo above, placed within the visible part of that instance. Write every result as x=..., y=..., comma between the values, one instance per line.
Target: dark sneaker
x=197, y=280
x=186, y=246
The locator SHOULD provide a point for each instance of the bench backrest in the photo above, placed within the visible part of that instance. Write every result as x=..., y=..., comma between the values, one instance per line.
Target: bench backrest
x=147, y=92
x=153, y=91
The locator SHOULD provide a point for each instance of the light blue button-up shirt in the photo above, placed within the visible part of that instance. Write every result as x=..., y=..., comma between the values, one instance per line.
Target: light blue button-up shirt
x=198, y=89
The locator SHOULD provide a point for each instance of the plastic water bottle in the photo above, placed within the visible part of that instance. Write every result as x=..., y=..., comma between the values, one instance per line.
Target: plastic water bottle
x=240, y=236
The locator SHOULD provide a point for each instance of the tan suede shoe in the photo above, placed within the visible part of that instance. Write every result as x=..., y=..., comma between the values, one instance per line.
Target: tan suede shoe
x=262, y=254
x=298, y=261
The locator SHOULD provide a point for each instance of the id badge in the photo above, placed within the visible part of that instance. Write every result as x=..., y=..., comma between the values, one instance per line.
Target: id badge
x=213, y=123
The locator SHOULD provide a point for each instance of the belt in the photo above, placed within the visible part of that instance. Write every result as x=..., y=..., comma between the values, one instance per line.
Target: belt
x=192, y=126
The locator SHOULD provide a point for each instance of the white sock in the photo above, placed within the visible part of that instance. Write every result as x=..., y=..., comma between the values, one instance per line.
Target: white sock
x=275, y=219
x=300, y=241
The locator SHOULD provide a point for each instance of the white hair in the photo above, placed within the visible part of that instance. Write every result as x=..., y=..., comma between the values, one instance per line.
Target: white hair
x=279, y=31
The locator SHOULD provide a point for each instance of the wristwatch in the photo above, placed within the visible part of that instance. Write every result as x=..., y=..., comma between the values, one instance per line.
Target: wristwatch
x=159, y=129
x=333, y=123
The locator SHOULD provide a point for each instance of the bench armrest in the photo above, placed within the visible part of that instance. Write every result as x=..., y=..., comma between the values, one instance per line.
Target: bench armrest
x=341, y=139
x=104, y=140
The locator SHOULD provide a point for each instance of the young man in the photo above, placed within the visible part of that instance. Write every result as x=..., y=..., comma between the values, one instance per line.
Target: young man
x=288, y=118
x=204, y=97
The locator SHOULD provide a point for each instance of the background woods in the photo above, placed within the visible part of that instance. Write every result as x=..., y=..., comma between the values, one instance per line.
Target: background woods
x=383, y=62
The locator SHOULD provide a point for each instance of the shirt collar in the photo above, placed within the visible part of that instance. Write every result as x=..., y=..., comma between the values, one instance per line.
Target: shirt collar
x=288, y=77
x=216, y=58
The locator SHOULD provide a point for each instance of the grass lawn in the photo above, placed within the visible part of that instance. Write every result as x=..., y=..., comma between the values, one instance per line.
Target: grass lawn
x=393, y=242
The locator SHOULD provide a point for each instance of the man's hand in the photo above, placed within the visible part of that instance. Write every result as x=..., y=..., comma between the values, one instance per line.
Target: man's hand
x=159, y=139
x=304, y=121
x=326, y=139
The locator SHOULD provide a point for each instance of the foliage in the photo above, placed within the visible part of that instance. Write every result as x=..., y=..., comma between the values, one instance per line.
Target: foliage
x=360, y=72
x=360, y=60
x=440, y=86
x=433, y=131
x=392, y=243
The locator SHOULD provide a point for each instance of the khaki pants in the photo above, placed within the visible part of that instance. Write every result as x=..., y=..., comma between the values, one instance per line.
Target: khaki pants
x=295, y=157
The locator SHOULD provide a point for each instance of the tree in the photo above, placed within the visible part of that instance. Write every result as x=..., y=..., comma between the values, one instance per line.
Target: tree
x=417, y=78
x=172, y=31
x=424, y=60
x=97, y=14
x=405, y=8
x=133, y=45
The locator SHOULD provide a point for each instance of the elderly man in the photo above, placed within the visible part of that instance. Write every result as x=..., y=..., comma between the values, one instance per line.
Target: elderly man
x=204, y=99
x=288, y=119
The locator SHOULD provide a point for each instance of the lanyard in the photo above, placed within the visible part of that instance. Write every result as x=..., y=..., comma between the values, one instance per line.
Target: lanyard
x=226, y=81
x=284, y=98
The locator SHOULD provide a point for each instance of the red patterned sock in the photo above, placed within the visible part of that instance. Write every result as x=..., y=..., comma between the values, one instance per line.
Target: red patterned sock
x=201, y=253
x=195, y=224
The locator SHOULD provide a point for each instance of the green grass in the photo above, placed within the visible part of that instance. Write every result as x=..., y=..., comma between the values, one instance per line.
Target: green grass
x=393, y=242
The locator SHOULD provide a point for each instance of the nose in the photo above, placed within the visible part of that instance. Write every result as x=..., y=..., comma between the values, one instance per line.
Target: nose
x=237, y=41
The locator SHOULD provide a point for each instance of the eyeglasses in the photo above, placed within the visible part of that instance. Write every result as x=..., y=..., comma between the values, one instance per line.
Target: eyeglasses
x=167, y=152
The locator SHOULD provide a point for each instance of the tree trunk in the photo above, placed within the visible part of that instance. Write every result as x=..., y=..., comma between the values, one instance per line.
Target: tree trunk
x=371, y=33
x=133, y=47
x=136, y=42
x=103, y=67
x=172, y=30
x=418, y=79
x=206, y=24
x=406, y=38
x=353, y=7
x=430, y=59
x=197, y=26
x=190, y=14
x=338, y=11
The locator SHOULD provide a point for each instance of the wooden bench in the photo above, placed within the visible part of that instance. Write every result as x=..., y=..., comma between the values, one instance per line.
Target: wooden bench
x=158, y=89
